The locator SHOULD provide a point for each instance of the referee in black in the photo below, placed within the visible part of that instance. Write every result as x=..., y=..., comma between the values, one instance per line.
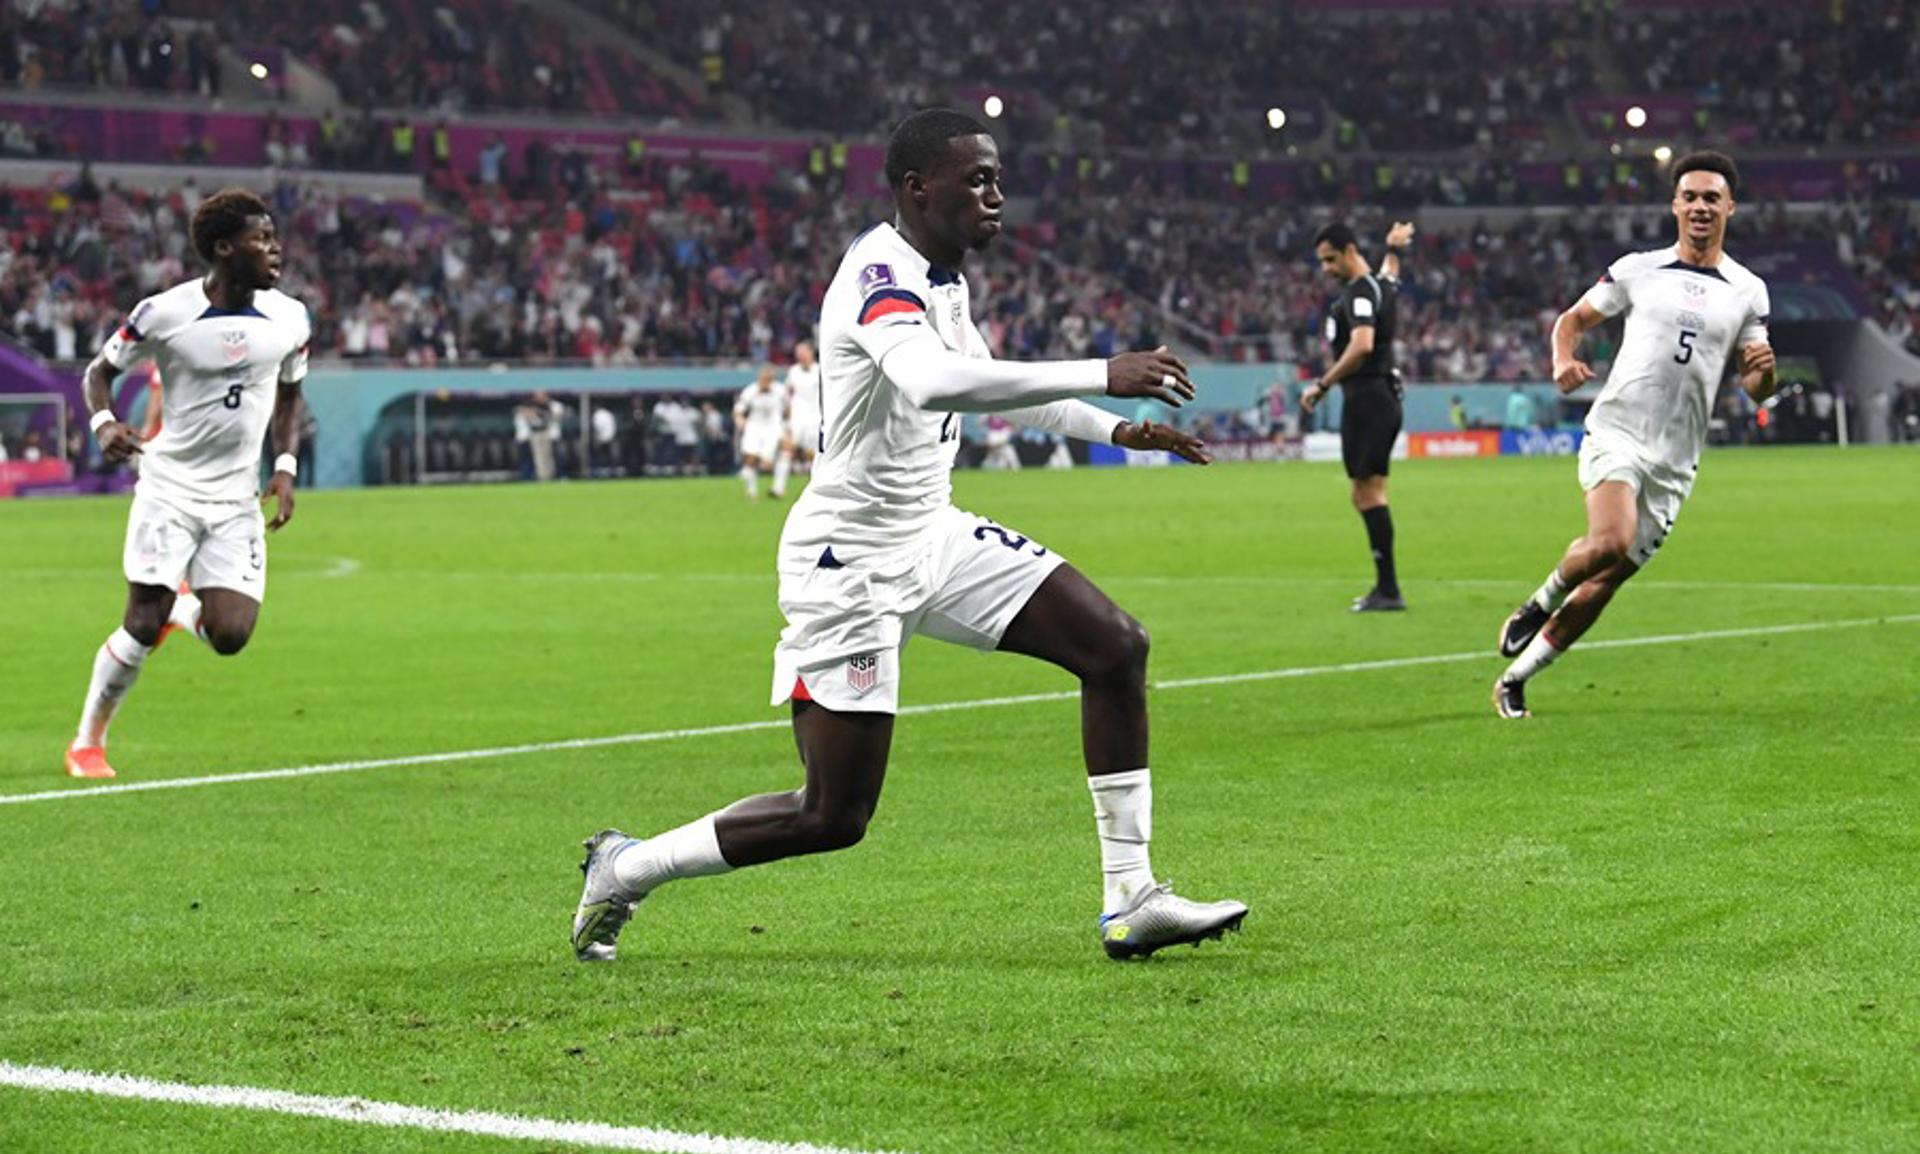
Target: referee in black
x=1360, y=327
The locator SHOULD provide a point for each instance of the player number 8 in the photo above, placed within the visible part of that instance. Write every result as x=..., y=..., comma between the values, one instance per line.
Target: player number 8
x=232, y=400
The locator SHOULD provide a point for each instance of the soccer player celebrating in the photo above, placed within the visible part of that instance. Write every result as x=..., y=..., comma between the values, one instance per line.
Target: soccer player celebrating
x=803, y=418
x=233, y=351
x=759, y=418
x=1360, y=328
x=1688, y=307
x=874, y=552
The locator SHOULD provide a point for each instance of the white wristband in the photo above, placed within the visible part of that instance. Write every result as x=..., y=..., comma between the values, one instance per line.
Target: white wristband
x=287, y=463
x=102, y=417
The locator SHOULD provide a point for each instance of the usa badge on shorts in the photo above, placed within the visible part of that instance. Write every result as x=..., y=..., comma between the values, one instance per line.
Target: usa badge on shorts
x=863, y=672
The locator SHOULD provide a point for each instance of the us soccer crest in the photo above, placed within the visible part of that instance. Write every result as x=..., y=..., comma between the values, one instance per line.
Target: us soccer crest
x=1694, y=290
x=233, y=342
x=863, y=672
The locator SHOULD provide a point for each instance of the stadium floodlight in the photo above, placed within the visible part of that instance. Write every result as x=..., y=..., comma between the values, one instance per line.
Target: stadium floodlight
x=994, y=107
x=1663, y=154
x=1636, y=117
x=259, y=70
x=1276, y=118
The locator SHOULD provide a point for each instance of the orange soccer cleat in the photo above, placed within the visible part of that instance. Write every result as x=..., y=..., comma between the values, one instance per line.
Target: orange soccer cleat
x=170, y=628
x=88, y=761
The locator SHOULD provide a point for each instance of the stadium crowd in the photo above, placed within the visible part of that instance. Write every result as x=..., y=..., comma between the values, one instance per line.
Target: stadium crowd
x=450, y=56
x=1794, y=72
x=675, y=262
x=1803, y=73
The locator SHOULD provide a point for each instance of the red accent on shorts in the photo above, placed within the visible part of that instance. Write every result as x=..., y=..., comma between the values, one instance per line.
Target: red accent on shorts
x=800, y=691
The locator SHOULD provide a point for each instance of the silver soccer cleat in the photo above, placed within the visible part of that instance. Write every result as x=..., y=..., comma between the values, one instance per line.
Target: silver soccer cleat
x=603, y=910
x=1163, y=918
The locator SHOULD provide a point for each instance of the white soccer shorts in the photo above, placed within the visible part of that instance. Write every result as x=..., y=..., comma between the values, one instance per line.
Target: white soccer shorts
x=1660, y=490
x=806, y=438
x=849, y=618
x=760, y=443
x=221, y=546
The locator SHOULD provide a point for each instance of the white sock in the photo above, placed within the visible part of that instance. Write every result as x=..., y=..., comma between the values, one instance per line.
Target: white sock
x=115, y=668
x=691, y=851
x=1538, y=654
x=1123, y=815
x=1550, y=595
x=750, y=477
x=782, y=469
x=186, y=614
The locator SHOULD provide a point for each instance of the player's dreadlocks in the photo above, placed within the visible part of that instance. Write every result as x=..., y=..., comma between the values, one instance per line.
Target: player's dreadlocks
x=223, y=216
x=921, y=139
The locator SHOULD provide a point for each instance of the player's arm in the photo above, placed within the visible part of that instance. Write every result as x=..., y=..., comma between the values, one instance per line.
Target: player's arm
x=1569, y=372
x=127, y=346
x=1757, y=375
x=284, y=430
x=935, y=377
x=1084, y=422
x=118, y=440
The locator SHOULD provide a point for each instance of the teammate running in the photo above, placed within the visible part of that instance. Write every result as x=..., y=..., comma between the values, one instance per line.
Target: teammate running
x=1688, y=308
x=874, y=552
x=233, y=351
x=802, y=440
x=759, y=420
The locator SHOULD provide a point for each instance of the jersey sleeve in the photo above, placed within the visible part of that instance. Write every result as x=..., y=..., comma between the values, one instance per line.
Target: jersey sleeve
x=293, y=367
x=1760, y=309
x=893, y=309
x=1363, y=310
x=1609, y=297
x=134, y=340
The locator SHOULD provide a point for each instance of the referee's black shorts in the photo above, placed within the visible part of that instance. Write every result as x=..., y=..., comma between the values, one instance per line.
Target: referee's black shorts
x=1369, y=425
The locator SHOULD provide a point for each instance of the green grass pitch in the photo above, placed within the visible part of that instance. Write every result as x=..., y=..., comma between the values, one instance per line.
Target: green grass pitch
x=1674, y=911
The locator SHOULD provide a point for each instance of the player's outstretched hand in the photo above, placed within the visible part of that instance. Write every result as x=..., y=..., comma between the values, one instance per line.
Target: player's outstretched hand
x=118, y=441
x=1146, y=436
x=1400, y=235
x=1756, y=357
x=280, y=489
x=1572, y=375
x=1157, y=374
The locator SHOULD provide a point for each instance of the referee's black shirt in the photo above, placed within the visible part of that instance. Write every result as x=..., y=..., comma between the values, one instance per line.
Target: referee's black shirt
x=1366, y=300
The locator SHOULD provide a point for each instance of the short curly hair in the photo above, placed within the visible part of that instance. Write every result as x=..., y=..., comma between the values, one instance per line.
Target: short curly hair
x=223, y=216
x=1707, y=160
x=920, y=141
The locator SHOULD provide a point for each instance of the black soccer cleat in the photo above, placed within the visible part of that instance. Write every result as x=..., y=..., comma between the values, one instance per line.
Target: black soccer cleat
x=1378, y=602
x=1510, y=698
x=1522, y=627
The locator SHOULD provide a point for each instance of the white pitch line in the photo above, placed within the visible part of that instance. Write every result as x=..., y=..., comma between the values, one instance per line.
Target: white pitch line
x=938, y=707
x=392, y=1114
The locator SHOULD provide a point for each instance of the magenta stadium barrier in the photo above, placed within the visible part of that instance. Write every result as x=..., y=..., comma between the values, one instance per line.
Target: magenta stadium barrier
x=164, y=135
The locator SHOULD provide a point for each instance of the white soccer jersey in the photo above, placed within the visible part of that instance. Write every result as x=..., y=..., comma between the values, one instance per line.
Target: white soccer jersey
x=1683, y=324
x=760, y=412
x=885, y=469
x=222, y=370
x=803, y=392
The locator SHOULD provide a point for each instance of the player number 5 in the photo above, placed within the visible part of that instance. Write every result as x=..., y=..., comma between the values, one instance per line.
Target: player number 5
x=1686, y=346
